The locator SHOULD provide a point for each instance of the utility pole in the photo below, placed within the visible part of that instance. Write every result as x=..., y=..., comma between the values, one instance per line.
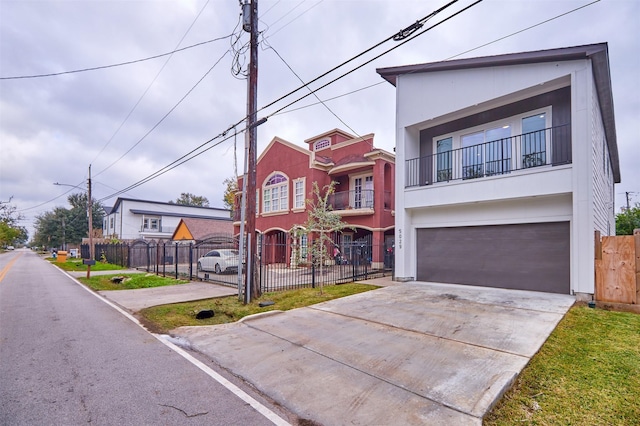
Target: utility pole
x=90, y=214
x=252, y=289
x=628, y=205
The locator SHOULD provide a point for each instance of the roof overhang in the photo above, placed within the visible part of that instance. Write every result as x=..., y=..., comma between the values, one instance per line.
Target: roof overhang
x=351, y=166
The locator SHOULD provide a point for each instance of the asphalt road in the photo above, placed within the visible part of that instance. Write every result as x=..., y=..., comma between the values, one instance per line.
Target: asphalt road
x=68, y=358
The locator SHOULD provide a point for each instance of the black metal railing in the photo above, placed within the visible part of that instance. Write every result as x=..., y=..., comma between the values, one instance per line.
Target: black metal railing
x=550, y=146
x=354, y=199
x=343, y=262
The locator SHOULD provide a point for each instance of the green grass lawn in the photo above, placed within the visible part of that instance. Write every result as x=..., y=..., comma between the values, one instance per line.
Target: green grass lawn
x=76, y=265
x=587, y=373
x=132, y=281
x=161, y=319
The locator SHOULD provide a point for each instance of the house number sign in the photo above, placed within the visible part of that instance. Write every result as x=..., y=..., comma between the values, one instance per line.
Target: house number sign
x=400, y=239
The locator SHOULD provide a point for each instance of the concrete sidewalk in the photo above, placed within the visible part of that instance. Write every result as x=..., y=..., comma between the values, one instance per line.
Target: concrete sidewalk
x=410, y=354
x=135, y=300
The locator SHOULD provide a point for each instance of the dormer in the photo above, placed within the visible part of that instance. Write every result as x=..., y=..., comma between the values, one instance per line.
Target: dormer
x=326, y=140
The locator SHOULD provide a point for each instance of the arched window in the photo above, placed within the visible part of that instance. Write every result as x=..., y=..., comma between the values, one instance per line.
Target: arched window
x=275, y=194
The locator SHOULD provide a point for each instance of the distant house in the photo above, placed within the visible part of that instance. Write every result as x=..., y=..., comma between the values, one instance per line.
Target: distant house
x=132, y=219
x=506, y=166
x=363, y=198
x=191, y=229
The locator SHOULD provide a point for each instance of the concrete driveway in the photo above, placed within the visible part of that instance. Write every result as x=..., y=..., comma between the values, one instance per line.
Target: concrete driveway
x=411, y=354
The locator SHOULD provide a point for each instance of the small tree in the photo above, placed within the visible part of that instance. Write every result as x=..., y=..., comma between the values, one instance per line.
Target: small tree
x=189, y=199
x=230, y=190
x=10, y=231
x=628, y=220
x=322, y=221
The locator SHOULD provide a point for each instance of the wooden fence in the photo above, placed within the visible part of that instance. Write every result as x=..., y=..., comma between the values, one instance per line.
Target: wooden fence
x=617, y=268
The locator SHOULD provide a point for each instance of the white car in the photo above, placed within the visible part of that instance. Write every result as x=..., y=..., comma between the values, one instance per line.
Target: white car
x=218, y=261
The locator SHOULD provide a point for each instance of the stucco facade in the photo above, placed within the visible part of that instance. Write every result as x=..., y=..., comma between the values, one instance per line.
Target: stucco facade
x=443, y=107
x=286, y=172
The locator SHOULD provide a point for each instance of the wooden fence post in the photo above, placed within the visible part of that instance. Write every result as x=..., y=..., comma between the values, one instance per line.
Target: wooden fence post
x=636, y=236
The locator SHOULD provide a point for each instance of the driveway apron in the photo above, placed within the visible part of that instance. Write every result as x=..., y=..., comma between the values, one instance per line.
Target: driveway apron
x=417, y=353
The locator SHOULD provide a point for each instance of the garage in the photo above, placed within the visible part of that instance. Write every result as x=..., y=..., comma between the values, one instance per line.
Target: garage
x=530, y=256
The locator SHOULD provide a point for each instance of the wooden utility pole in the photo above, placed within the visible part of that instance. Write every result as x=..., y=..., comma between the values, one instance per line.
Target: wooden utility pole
x=252, y=287
x=90, y=214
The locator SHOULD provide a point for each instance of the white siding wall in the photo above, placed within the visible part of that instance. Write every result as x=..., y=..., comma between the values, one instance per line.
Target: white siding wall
x=603, y=211
x=128, y=225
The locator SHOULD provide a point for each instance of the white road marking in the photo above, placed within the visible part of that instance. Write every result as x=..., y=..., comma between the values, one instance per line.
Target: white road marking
x=260, y=408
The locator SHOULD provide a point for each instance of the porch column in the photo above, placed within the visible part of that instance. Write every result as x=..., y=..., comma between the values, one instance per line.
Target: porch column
x=377, y=248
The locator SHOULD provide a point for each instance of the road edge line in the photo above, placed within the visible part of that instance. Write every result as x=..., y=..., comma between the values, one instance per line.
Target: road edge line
x=256, y=405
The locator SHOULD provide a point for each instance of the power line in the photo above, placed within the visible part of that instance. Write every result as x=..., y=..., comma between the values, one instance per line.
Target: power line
x=423, y=20
x=426, y=66
x=370, y=60
x=164, y=116
x=54, y=74
x=314, y=94
x=151, y=83
x=184, y=158
x=281, y=111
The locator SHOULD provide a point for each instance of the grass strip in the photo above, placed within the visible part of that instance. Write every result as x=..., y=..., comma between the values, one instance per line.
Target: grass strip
x=587, y=373
x=76, y=265
x=131, y=281
x=162, y=319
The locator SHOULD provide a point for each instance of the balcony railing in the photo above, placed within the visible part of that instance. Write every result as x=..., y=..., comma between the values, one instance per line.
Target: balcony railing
x=355, y=199
x=550, y=146
x=159, y=230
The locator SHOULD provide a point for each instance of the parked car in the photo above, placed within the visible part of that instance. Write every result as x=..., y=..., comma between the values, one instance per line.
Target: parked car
x=219, y=261
x=10, y=248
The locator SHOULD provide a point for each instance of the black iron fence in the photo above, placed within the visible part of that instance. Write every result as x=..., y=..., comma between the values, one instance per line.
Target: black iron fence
x=216, y=260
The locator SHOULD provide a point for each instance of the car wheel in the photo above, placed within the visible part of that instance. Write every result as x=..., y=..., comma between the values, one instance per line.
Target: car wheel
x=218, y=270
x=199, y=267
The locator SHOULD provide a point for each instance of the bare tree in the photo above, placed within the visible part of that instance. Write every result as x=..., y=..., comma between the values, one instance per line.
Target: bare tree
x=322, y=221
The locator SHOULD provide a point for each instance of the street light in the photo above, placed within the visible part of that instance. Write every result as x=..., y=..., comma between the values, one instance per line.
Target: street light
x=64, y=237
x=91, y=260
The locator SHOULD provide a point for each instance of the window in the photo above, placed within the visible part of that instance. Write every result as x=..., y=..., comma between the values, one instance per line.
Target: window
x=487, y=152
x=443, y=161
x=497, y=150
x=275, y=194
x=110, y=223
x=472, y=164
x=304, y=246
x=321, y=144
x=152, y=224
x=298, y=193
x=534, y=145
x=362, y=193
x=494, y=148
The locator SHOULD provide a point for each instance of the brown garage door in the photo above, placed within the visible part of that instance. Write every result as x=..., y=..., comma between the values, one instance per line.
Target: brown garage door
x=532, y=256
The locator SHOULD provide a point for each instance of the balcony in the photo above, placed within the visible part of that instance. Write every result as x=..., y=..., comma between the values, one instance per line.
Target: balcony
x=354, y=202
x=545, y=147
x=158, y=230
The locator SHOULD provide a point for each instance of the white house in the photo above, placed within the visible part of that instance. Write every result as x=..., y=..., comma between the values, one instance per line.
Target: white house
x=505, y=167
x=131, y=219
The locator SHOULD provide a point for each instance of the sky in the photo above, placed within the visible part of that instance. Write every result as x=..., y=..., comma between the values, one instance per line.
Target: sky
x=131, y=121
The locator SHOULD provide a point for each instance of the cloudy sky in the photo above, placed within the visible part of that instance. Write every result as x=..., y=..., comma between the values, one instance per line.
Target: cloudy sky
x=131, y=121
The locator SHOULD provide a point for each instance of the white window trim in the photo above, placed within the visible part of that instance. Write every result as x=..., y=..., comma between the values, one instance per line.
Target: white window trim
x=297, y=208
x=271, y=210
x=514, y=121
x=352, y=187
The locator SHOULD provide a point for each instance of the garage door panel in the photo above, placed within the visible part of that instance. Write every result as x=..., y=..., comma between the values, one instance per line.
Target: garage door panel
x=521, y=256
